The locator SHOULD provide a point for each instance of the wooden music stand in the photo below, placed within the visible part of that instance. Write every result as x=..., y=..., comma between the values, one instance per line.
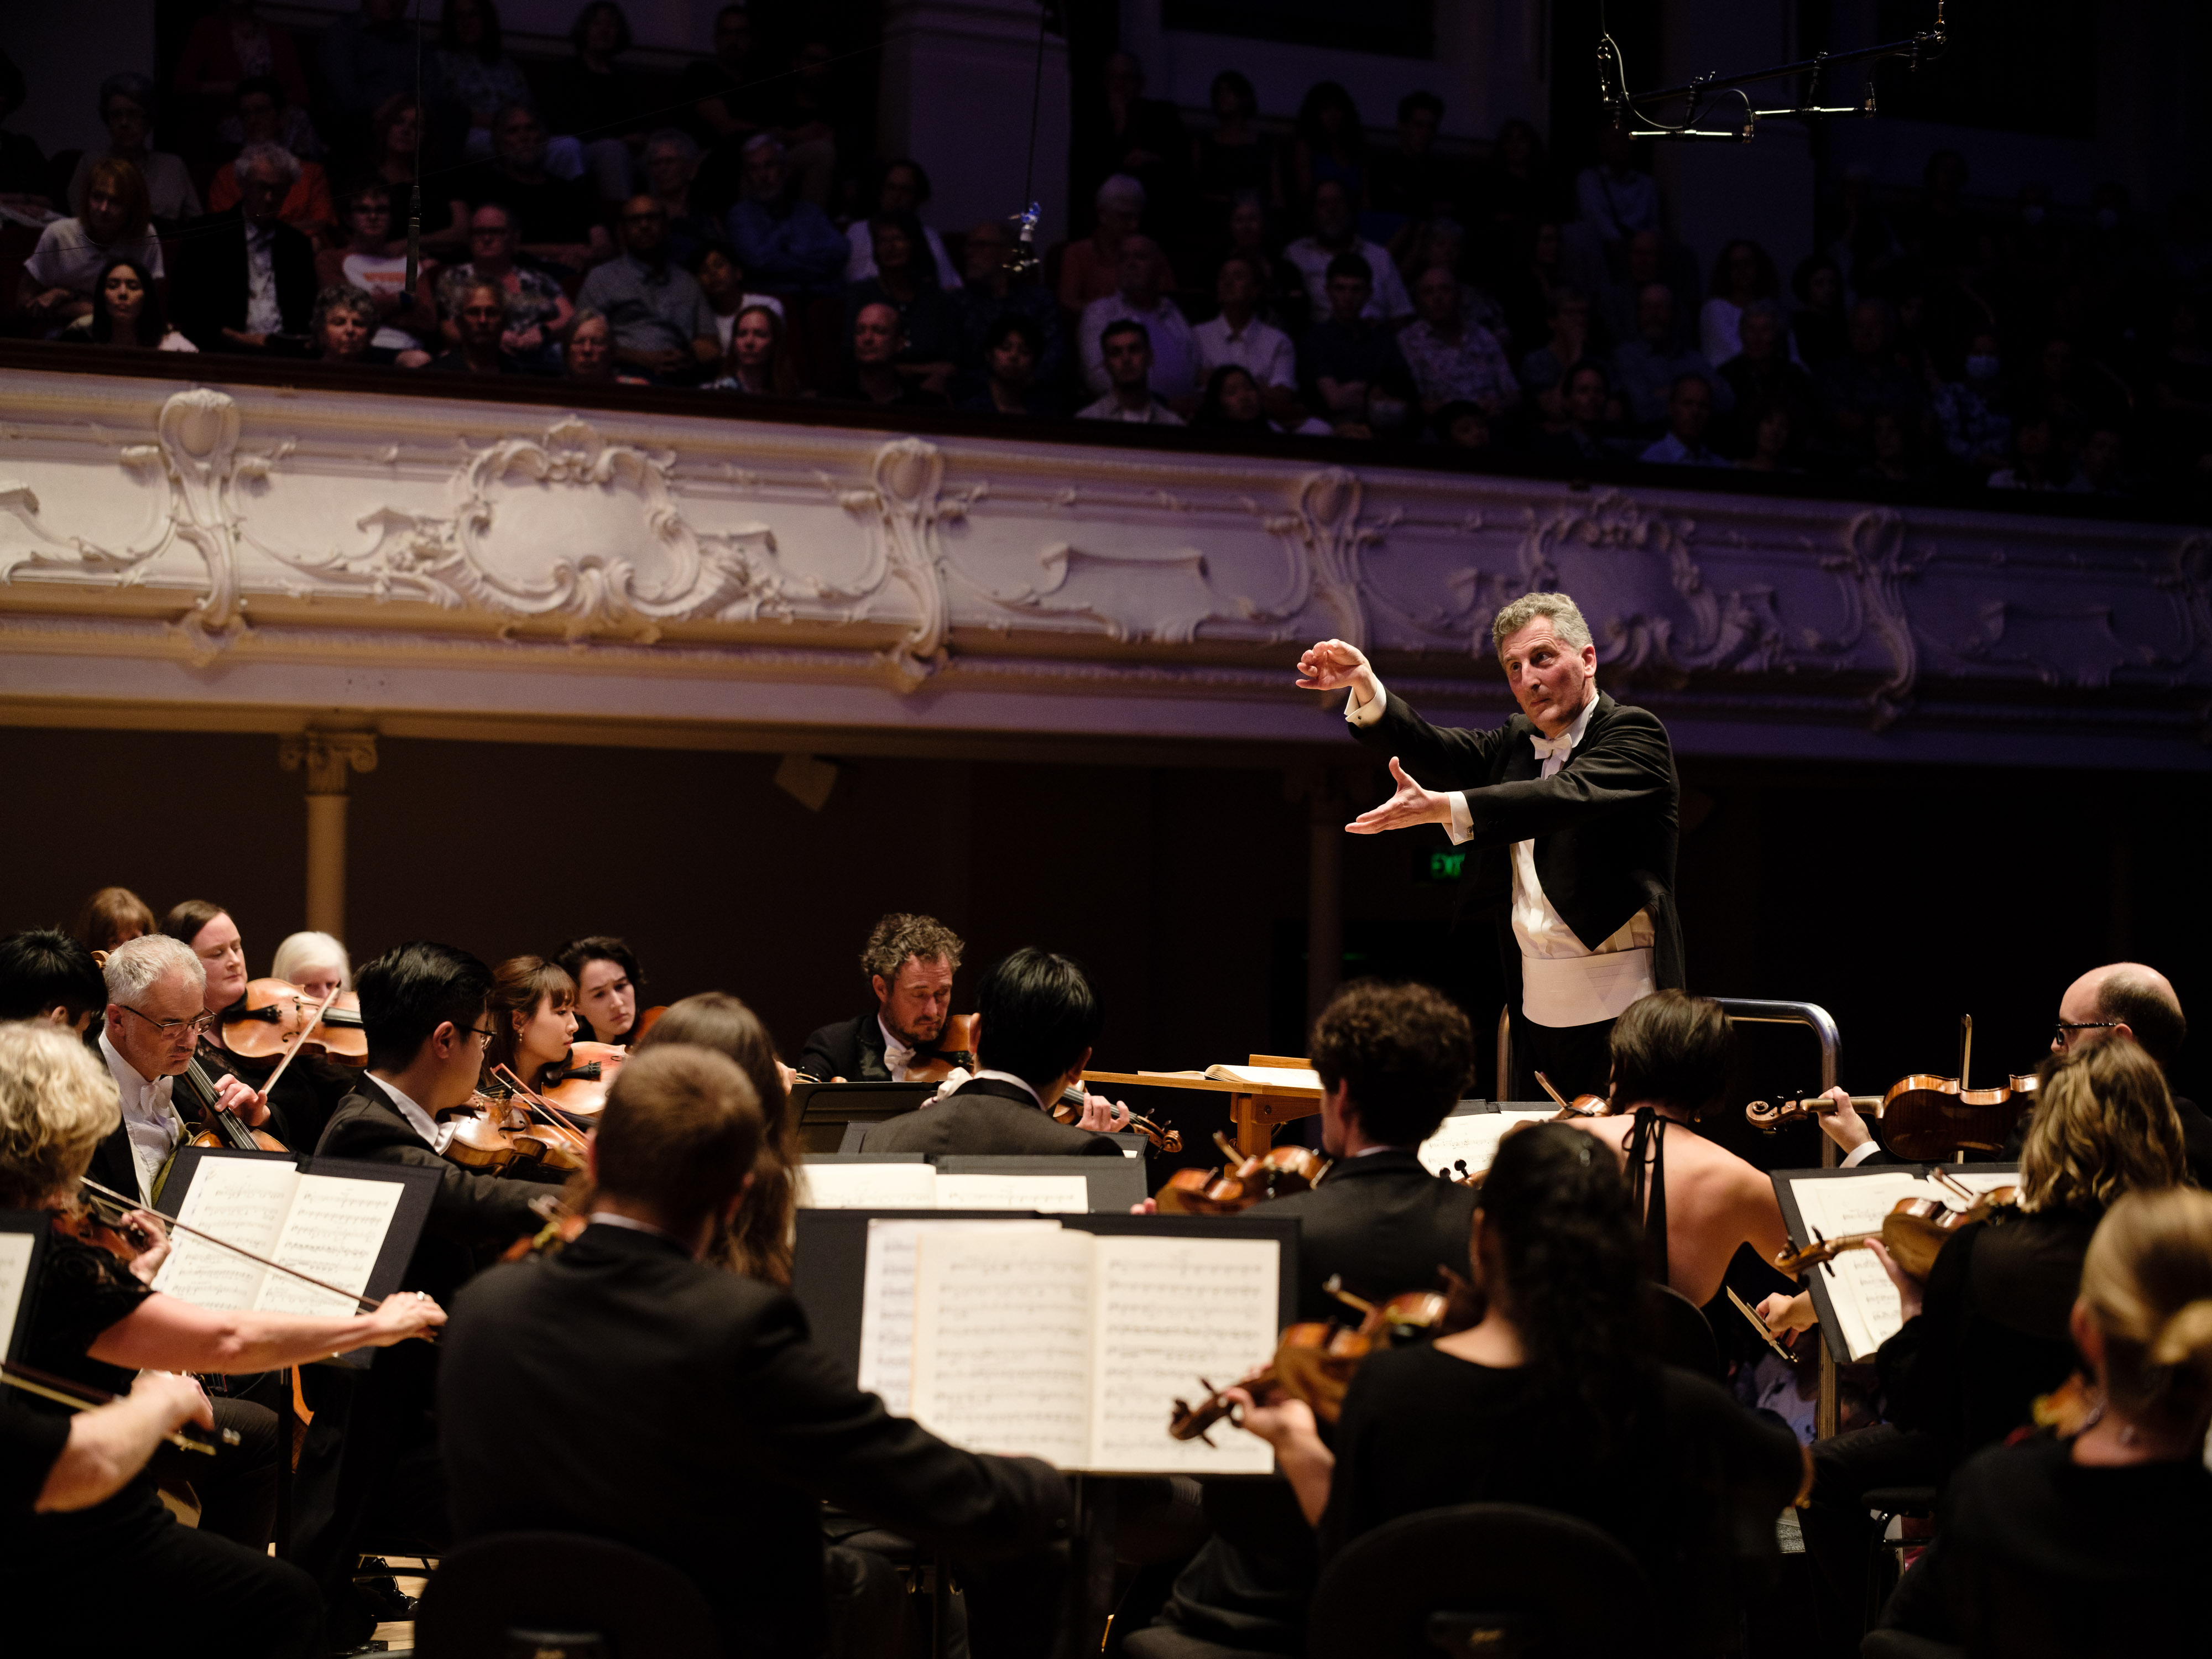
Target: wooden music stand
x=1252, y=1112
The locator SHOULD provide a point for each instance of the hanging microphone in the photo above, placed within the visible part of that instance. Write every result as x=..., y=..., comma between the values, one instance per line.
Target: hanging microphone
x=414, y=238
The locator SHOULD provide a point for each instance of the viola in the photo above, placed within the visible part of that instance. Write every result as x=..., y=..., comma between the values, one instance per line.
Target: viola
x=579, y=1086
x=1241, y=1183
x=276, y=1015
x=564, y=1138
x=955, y=1047
x=479, y=1142
x=1315, y=1359
x=1924, y=1117
x=645, y=1023
x=1068, y=1109
x=1914, y=1232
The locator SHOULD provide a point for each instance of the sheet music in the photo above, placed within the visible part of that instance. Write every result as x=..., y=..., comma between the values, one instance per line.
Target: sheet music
x=1002, y=1342
x=335, y=1231
x=1473, y=1137
x=15, y=1250
x=1172, y=1310
x=867, y=1187
x=1049, y=1194
x=243, y=1199
x=1868, y=1310
x=886, y=1368
x=1265, y=1076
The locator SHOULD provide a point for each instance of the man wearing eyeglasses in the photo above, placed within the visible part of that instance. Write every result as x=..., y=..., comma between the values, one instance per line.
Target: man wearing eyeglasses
x=2121, y=999
x=155, y=990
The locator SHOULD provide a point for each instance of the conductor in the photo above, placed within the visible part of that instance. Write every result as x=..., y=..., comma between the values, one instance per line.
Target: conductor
x=1569, y=810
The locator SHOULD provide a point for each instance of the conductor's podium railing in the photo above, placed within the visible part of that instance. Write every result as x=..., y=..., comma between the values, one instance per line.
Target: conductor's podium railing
x=1740, y=1011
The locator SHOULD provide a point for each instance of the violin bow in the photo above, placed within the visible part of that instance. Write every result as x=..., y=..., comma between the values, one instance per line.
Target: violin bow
x=365, y=1304
x=561, y=1119
x=300, y=1041
x=79, y=1398
x=1765, y=1330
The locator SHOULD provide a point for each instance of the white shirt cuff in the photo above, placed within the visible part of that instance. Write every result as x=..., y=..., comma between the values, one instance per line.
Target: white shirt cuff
x=1462, y=827
x=1357, y=713
x=1860, y=1154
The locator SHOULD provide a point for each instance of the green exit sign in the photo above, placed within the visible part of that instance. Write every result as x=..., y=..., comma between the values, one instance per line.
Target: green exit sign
x=1447, y=865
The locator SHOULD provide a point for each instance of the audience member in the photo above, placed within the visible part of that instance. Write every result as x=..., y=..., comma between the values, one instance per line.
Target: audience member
x=1945, y=237
x=1352, y=370
x=670, y=164
x=806, y=118
x=1567, y=321
x=1775, y=445
x=1127, y=135
x=2036, y=460
x=785, y=243
x=902, y=186
x=1234, y=402
x=126, y=110
x=990, y=294
x=1126, y=349
x=1140, y=297
x=1611, y=196
x=1689, y=416
x=1090, y=268
x=877, y=343
x=1236, y=336
x=1742, y=276
x=1328, y=143
x=756, y=360
x=1011, y=385
x=1283, y=303
x=906, y=280
x=721, y=94
x=24, y=184
x=1645, y=369
x=479, y=321
x=405, y=321
x=589, y=355
x=1334, y=235
x=1972, y=415
x=394, y=132
x=1853, y=388
x=1892, y=454
x=247, y=280
x=1512, y=194
x=126, y=311
x=598, y=102
x=1587, y=396
x=343, y=330
x=261, y=112
x=1818, y=330
x=1452, y=359
x=1440, y=244
x=1857, y=235
x=1650, y=257
x=371, y=56
x=557, y=220
x=537, y=311
x=1528, y=276
x=481, y=79
x=229, y=45
x=660, y=320
x=59, y=277
x=1759, y=373
x=1236, y=156
x=1412, y=185
x=724, y=285
x=1461, y=426
x=2103, y=470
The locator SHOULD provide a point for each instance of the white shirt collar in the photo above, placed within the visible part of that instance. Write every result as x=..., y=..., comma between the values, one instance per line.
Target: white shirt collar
x=1008, y=1077
x=610, y=1218
x=1573, y=734
x=127, y=1080
x=433, y=1135
x=898, y=1051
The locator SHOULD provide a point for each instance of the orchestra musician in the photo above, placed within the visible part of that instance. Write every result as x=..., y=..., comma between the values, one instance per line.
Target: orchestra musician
x=1038, y=1020
x=112, y=916
x=711, y=1429
x=47, y=975
x=532, y=1018
x=2121, y=999
x=1990, y=1330
x=314, y=962
x=370, y=1467
x=50, y=1464
x=95, y=1324
x=1553, y=1400
x=1570, y=808
x=607, y=979
x=1699, y=1201
x=2092, y=1543
x=910, y=961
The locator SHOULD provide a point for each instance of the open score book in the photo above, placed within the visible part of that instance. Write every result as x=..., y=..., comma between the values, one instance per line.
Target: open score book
x=331, y=1226
x=1026, y=1337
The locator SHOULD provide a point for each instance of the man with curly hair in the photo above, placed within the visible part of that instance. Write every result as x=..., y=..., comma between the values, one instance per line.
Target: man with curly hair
x=910, y=961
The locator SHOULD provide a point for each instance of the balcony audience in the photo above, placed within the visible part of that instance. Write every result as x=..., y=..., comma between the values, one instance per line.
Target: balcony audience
x=126, y=311
x=64, y=269
x=1645, y=369
x=1120, y=133
x=1689, y=417
x=1335, y=235
x=1328, y=144
x=724, y=284
x=1237, y=156
x=371, y=56
x=231, y=43
x=1010, y=373
x=481, y=79
x=1091, y=269
x=344, y=330
x=1760, y=373
x=1236, y=337
x=1354, y=375
x=589, y=355
x=405, y=321
x=537, y=311
x=878, y=345
x=24, y=182
x=557, y=220
x=395, y=133
x=906, y=280
x=601, y=103
x=479, y=333
x=757, y=362
x=661, y=321
x=902, y=187
x=786, y=242
x=670, y=169
x=1452, y=359
x=261, y=120
x=127, y=111
x=1126, y=349
x=1139, y=296
x=989, y=295
x=245, y=280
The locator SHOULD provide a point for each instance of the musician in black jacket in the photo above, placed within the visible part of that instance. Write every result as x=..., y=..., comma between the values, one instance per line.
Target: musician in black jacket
x=684, y=1412
x=1394, y=1059
x=370, y=1471
x=910, y=961
x=1570, y=808
x=1039, y=1018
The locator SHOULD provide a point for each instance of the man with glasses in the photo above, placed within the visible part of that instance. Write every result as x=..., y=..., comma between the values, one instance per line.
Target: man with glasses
x=154, y=1017
x=662, y=321
x=370, y=1471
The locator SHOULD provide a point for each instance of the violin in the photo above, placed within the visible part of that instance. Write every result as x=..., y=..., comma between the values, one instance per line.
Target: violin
x=1068, y=1109
x=1923, y=1117
x=562, y=1226
x=564, y=1139
x=1914, y=1231
x=1242, y=1181
x=1315, y=1359
x=579, y=1086
x=195, y=1088
x=99, y=1221
x=479, y=1141
x=956, y=1046
x=1580, y=1106
x=644, y=1023
x=275, y=1016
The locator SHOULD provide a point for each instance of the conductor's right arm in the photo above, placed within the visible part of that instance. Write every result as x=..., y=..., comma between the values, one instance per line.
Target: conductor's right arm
x=1447, y=757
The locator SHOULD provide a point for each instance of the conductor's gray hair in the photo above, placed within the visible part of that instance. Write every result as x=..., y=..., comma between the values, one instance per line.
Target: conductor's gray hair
x=137, y=967
x=1566, y=619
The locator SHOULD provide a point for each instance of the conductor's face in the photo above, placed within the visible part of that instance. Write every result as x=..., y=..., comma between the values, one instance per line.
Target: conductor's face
x=1550, y=677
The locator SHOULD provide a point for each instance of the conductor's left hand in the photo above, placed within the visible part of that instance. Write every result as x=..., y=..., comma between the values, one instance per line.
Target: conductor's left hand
x=1412, y=805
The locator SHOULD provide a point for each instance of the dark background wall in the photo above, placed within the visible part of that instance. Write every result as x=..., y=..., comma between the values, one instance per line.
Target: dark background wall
x=1898, y=898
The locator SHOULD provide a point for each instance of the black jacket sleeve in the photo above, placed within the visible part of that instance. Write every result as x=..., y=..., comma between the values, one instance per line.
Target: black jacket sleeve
x=1441, y=757
x=1919, y=1365
x=1628, y=764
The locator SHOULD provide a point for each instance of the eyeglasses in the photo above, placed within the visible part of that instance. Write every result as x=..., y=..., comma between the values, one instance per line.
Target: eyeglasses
x=483, y=1038
x=199, y=1027
x=2067, y=1025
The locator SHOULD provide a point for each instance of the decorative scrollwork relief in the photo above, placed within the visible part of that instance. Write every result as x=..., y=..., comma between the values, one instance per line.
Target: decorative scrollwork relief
x=1872, y=570
x=904, y=507
x=1326, y=542
x=1170, y=620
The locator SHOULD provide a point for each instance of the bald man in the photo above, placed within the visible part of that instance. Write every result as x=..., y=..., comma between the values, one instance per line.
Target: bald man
x=2125, y=998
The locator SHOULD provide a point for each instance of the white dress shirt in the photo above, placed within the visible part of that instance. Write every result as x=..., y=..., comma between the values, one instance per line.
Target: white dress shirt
x=1389, y=299
x=434, y=1134
x=1175, y=349
x=1572, y=985
x=263, y=315
x=1261, y=349
x=149, y=1117
x=898, y=1053
x=1008, y=1077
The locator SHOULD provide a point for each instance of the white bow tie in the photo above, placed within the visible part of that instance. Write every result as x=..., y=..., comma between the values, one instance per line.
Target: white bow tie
x=1562, y=745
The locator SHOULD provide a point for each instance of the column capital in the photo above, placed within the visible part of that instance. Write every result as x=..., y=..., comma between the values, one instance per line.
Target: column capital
x=328, y=757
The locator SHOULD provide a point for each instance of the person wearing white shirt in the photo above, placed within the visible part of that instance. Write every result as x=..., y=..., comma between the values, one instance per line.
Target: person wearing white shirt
x=903, y=188
x=1126, y=348
x=1174, y=371
x=1569, y=810
x=1335, y=231
x=1238, y=336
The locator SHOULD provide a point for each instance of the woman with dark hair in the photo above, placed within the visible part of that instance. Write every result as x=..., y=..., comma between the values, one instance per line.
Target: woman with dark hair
x=532, y=1012
x=1555, y=1400
x=1237, y=156
x=57, y=281
x=600, y=104
x=393, y=132
x=1743, y=274
x=1232, y=404
x=902, y=186
x=757, y=361
x=758, y=1243
x=1328, y=142
x=1010, y=355
x=126, y=311
x=607, y=983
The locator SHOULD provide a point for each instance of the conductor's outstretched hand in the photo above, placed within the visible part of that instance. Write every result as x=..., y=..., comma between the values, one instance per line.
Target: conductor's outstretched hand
x=1412, y=805
x=1330, y=665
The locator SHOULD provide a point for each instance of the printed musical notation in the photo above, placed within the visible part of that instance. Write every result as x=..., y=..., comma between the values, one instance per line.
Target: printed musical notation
x=1868, y=1310
x=1473, y=1138
x=331, y=1226
x=886, y=1368
x=1173, y=1311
